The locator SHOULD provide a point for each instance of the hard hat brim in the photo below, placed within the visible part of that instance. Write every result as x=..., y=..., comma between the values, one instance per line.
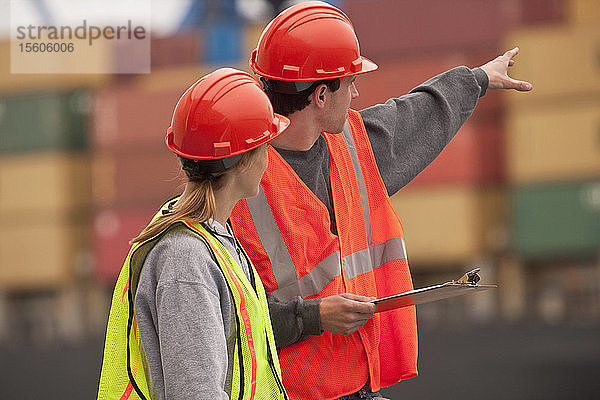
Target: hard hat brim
x=366, y=66
x=280, y=122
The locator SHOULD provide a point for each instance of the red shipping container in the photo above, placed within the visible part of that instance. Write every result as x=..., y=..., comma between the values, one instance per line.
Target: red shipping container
x=534, y=12
x=129, y=178
x=474, y=156
x=388, y=28
x=113, y=228
x=397, y=77
x=132, y=118
x=180, y=49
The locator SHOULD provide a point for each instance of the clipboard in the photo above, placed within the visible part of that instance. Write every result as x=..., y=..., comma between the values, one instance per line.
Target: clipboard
x=466, y=284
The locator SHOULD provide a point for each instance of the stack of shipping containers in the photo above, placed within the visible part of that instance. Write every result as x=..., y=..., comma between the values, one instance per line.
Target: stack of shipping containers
x=83, y=165
x=453, y=212
x=553, y=155
x=469, y=207
x=133, y=171
x=44, y=198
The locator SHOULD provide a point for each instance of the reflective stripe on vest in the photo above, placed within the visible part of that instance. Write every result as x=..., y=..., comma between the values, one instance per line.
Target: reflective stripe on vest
x=288, y=284
x=256, y=371
x=285, y=230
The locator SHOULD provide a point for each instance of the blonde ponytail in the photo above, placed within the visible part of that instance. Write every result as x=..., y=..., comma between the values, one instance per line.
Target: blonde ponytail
x=197, y=204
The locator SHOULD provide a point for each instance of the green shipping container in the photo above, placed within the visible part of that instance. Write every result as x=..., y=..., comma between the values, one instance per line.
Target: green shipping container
x=46, y=121
x=557, y=220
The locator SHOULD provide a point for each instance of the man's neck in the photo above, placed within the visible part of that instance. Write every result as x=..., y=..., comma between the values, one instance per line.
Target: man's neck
x=301, y=135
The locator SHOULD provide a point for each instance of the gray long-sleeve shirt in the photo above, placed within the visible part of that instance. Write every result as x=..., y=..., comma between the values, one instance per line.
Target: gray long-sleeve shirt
x=184, y=313
x=182, y=304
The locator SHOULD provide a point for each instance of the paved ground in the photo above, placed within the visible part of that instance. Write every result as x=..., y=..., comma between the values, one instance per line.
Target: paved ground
x=506, y=362
x=485, y=362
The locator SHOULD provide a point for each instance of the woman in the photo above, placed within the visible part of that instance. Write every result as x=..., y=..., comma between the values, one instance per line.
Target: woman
x=189, y=317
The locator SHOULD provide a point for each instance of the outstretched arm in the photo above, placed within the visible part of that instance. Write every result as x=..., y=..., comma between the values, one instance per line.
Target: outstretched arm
x=408, y=132
x=497, y=72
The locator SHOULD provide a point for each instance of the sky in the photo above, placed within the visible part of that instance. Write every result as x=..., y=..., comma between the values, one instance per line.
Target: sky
x=165, y=15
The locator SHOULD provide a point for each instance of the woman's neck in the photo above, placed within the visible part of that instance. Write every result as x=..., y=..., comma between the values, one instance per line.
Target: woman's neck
x=225, y=200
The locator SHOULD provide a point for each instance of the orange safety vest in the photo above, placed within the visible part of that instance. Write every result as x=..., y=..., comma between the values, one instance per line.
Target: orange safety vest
x=286, y=232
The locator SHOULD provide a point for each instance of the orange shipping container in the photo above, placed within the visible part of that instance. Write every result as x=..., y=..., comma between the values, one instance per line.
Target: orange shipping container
x=44, y=183
x=450, y=225
x=570, y=76
x=554, y=143
x=584, y=12
x=20, y=82
x=42, y=252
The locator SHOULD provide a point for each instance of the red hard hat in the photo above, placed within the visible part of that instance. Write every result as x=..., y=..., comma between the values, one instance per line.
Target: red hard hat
x=308, y=42
x=223, y=114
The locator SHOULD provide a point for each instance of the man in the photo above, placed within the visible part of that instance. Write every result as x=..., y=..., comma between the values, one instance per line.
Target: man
x=322, y=233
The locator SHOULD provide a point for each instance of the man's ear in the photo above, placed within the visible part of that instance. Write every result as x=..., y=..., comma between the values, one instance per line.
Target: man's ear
x=319, y=95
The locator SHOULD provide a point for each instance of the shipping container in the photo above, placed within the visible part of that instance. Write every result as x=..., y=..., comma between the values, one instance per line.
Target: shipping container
x=175, y=78
x=554, y=143
x=446, y=225
x=44, y=183
x=132, y=118
x=45, y=121
x=562, y=63
x=474, y=156
x=135, y=177
x=584, y=12
x=396, y=77
x=42, y=253
x=556, y=220
x=534, y=12
x=182, y=48
x=14, y=82
x=113, y=228
x=388, y=28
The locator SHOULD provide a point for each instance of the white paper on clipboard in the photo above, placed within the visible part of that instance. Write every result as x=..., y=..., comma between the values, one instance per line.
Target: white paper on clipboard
x=433, y=293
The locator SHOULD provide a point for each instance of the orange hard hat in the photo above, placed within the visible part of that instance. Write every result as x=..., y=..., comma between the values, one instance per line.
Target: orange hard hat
x=308, y=42
x=223, y=115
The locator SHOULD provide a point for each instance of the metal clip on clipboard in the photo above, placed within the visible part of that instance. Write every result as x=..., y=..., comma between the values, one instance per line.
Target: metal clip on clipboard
x=468, y=283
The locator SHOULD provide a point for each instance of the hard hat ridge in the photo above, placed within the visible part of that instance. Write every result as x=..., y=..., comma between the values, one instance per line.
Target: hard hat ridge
x=308, y=42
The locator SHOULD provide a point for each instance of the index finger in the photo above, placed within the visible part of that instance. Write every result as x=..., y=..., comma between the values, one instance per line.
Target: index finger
x=363, y=308
x=511, y=53
x=357, y=297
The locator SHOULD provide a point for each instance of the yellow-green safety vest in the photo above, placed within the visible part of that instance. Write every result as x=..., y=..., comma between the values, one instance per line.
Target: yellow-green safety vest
x=256, y=372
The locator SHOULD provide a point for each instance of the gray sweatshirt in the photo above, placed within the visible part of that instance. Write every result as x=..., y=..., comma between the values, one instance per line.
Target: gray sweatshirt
x=183, y=306
x=184, y=313
x=406, y=135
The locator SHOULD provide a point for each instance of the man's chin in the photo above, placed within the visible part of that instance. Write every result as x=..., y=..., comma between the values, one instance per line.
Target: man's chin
x=339, y=130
